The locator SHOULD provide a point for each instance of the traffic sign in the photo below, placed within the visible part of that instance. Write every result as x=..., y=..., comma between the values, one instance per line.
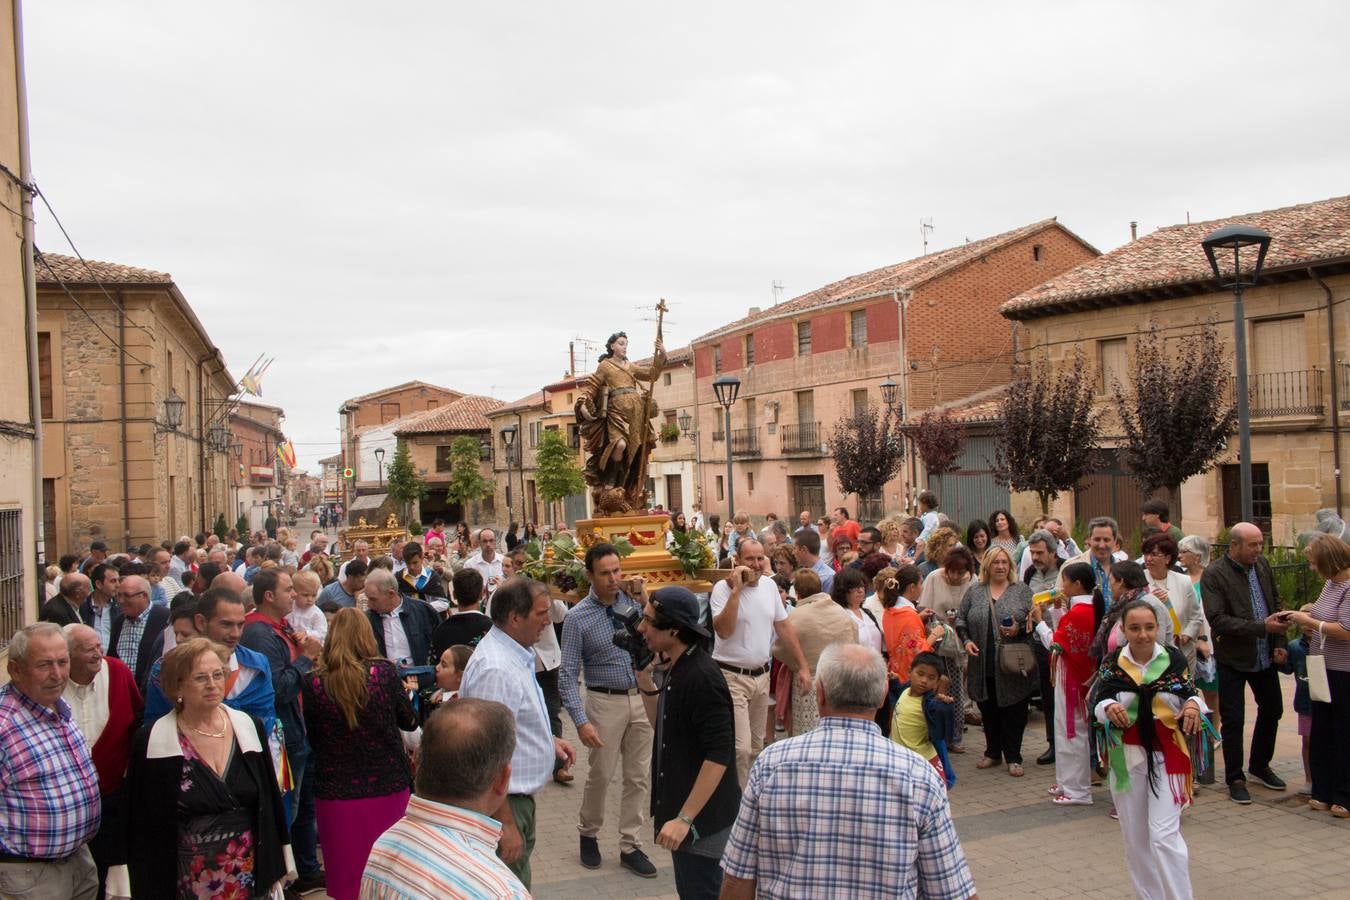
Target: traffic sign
x=348, y=473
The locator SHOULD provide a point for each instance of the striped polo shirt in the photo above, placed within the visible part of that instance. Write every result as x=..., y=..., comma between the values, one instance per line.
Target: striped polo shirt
x=439, y=851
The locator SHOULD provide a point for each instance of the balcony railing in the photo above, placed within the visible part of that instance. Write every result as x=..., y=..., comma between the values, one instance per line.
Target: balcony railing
x=745, y=442
x=1298, y=393
x=802, y=439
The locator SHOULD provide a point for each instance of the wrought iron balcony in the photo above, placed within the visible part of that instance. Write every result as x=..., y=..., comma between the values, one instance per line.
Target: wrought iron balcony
x=1272, y=394
x=803, y=439
x=745, y=442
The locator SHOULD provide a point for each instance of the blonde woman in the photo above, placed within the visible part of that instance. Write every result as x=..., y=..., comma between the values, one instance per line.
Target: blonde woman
x=935, y=549
x=355, y=704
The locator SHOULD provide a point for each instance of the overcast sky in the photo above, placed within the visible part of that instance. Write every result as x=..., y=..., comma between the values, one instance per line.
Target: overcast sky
x=374, y=193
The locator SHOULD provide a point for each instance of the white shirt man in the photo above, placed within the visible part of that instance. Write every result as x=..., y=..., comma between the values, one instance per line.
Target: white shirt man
x=362, y=552
x=486, y=561
x=747, y=614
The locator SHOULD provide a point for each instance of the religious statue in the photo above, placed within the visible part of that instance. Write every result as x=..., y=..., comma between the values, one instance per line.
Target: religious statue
x=614, y=412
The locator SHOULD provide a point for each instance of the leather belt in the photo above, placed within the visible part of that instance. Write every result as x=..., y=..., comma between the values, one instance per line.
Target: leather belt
x=622, y=692
x=6, y=857
x=752, y=673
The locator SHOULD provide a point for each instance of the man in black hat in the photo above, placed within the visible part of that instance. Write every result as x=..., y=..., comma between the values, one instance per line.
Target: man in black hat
x=695, y=792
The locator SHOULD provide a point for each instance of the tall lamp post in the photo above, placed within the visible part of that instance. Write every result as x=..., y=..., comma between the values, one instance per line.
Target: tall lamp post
x=379, y=458
x=726, y=387
x=1242, y=241
x=509, y=439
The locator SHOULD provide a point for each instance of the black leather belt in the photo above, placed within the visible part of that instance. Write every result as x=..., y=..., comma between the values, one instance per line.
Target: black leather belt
x=752, y=673
x=622, y=692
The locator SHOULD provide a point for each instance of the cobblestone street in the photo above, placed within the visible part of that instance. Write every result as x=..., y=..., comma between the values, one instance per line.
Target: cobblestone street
x=1019, y=845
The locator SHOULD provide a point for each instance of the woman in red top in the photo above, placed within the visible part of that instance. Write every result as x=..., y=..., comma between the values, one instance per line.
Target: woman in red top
x=1073, y=666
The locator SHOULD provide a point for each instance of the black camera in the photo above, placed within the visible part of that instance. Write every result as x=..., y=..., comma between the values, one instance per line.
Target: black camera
x=629, y=639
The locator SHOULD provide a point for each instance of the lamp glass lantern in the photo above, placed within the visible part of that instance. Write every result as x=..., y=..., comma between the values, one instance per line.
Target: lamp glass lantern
x=685, y=421
x=726, y=387
x=218, y=438
x=379, y=455
x=1241, y=241
x=173, y=410
x=889, y=391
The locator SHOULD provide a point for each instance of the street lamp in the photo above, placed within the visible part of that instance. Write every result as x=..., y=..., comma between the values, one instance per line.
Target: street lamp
x=173, y=410
x=1242, y=241
x=379, y=458
x=726, y=387
x=685, y=420
x=218, y=437
x=509, y=440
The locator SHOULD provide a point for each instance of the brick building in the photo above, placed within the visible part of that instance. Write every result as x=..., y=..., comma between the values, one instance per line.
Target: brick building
x=257, y=475
x=1298, y=329
x=112, y=467
x=931, y=323
x=380, y=408
x=430, y=436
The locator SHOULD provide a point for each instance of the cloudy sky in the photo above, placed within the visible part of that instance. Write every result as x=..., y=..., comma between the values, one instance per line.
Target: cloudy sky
x=373, y=193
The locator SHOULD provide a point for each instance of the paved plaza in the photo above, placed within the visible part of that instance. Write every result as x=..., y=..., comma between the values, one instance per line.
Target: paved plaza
x=1020, y=845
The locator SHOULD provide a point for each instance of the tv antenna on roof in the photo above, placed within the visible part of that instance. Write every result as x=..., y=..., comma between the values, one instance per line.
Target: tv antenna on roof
x=777, y=287
x=925, y=226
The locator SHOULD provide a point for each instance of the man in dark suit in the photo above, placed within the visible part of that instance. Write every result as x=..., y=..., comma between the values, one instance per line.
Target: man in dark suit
x=403, y=626
x=99, y=610
x=137, y=638
x=64, y=608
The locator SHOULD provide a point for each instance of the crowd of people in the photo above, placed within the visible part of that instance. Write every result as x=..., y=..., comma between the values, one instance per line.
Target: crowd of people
x=245, y=706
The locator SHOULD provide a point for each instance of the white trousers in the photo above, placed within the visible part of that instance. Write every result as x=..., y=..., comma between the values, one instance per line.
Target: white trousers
x=1073, y=762
x=1155, y=852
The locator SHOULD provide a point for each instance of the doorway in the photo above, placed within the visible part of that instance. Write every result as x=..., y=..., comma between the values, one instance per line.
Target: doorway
x=808, y=492
x=674, y=493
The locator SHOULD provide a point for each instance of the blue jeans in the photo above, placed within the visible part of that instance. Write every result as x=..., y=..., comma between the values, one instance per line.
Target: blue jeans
x=696, y=877
x=304, y=834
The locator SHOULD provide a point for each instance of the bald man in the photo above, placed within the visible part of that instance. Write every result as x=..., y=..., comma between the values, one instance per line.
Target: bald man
x=64, y=608
x=1242, y=604
x=138, y=637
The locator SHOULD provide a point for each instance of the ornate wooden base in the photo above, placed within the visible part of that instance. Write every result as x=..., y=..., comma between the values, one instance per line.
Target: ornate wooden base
x=649, y=558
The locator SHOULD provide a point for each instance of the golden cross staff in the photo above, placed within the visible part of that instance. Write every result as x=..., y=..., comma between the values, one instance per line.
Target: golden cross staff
x=647, y=398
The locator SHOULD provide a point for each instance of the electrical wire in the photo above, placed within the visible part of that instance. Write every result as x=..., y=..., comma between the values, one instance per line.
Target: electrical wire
x=42, y=259
x=85, y=262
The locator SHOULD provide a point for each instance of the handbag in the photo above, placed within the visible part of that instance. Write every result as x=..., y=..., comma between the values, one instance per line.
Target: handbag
x=1206, y=669
x=1319, y=689
x=1016, y=659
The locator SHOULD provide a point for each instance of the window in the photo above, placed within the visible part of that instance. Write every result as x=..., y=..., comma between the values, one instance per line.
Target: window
x=803, y=338
x=570, y=401
x=1112, y=364
x=1278, y=345
x=721, y=495
x=857, y=328
x=750, y=349
x=749, y=404
x=859, y=399
x=806, y=407
x=11, y=572
x=388, y=412
x=432, y=404
x=443, y=458
x=750, y=481
x=574, y=436
x=670, y=419
x=534, y=434
x=45, y=372
x=1036, y=253
x=665, y=379
x=717, y=358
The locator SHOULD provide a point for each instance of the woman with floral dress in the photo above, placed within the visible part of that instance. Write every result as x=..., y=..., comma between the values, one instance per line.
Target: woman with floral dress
x=203, y=801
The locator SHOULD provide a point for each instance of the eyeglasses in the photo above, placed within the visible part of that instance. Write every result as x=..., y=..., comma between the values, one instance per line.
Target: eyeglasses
x=202, y=679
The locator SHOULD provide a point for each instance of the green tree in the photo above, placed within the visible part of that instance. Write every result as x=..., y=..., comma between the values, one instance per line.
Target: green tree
x=241, y=525
x=401, y=481
x=466, y=482
x=559, y=475
x=220, y=528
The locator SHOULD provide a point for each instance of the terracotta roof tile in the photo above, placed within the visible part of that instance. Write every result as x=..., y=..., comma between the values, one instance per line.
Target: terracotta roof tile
x=465, y=414
x=402, y=387
x=977, y=408
x=1300, y=235
x=899, y=277
x=71, y=271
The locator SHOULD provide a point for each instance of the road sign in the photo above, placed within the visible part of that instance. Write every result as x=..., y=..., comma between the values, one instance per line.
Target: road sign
x=348, y=473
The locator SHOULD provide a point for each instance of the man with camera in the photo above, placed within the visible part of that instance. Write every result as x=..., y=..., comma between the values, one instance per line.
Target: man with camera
x=695, y=795
x=747, y=614
x=612, y=722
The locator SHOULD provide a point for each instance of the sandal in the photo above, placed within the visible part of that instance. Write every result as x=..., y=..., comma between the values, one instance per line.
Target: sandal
x=1062, y=800
x=1015, y=770
x=986, y=763
x=1340, y=812
x=1318, y=805
x=957, y=749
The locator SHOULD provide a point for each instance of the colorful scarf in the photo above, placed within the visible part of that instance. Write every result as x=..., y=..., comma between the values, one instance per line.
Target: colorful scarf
x=1153, y=725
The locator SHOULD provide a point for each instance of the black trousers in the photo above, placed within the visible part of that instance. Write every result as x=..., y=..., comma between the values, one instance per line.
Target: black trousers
x=1329, y=744
x=1003, y=727
x=548, y=683
x=696, y=877
x=1047, y=690
x=109, y=845
x=1232, y=709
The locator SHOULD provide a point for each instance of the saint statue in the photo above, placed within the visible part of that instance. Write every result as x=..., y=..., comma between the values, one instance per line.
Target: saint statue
x=614, y=414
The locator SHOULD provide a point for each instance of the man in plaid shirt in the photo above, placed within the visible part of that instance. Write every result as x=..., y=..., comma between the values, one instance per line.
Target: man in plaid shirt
x=49, y=799
x=842, y=811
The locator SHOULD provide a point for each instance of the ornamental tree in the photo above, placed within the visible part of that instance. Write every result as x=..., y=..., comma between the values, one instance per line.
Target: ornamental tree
x=467, y=483
x=1049, y=435
x=939, y=440
x=401, y=481
x=867, y=451
x=1178, y=415
x=559, y=475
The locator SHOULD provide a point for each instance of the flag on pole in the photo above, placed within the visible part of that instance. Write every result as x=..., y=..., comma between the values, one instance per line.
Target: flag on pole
x=286, y=453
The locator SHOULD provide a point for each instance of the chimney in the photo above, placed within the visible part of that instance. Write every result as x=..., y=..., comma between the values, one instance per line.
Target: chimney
x=754, y=310
x=1134, y=231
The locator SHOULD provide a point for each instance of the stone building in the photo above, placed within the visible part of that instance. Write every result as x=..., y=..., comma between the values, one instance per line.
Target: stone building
x=672, y=472
x=380, y=408
x=518, y=498
x=429, y=436
x=931, y=324
x=258, y=476
x=1298, y=330
x=21, y=546
x=115, y=343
